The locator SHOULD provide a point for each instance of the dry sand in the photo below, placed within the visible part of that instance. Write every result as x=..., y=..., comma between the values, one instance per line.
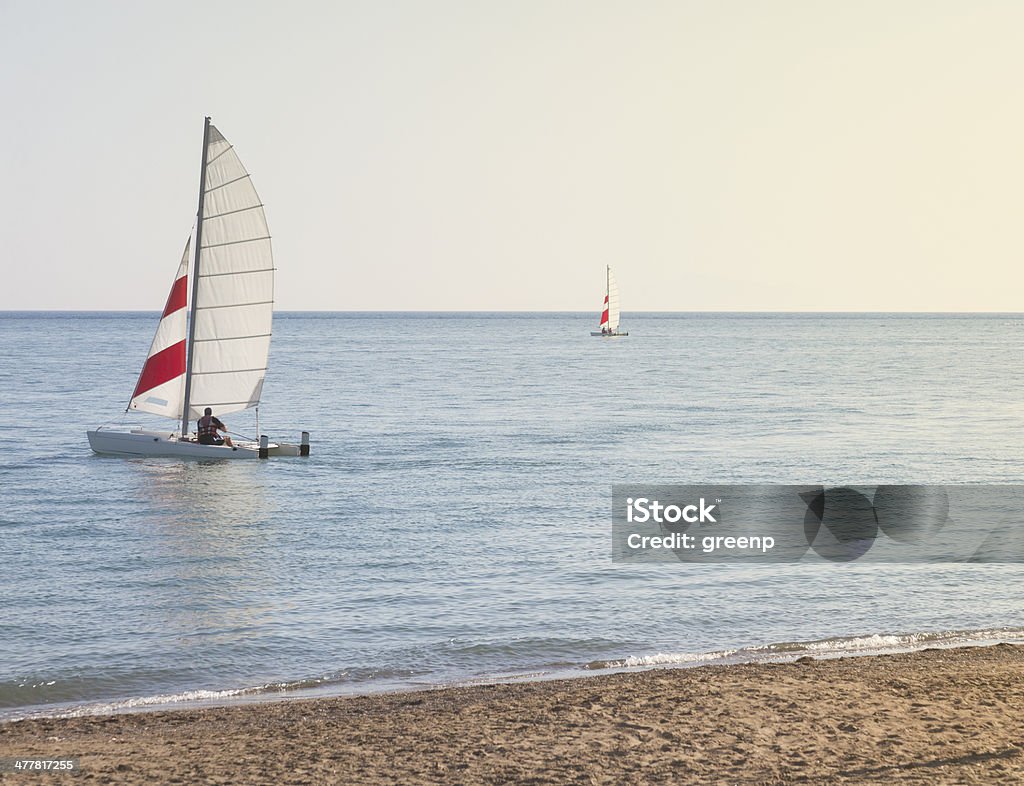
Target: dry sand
x=937, y=716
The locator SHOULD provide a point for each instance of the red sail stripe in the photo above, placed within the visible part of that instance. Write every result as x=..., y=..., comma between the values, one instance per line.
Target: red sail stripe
x=604, y=314
x=162, y=367
x=178, y=298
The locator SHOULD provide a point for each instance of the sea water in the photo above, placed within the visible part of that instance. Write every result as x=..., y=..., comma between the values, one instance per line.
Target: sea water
x=453, y=521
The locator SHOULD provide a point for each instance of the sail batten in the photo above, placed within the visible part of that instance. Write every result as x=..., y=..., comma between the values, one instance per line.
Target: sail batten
x=239, y=273
x=222, y=404
x=225, y=185
x=237, y=305
x=236, y=242
x=232, y=212
x=226, y=371
x=230, y=147
x=235, y=338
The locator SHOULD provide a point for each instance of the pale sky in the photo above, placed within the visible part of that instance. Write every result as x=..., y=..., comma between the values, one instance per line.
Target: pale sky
x=482, y=155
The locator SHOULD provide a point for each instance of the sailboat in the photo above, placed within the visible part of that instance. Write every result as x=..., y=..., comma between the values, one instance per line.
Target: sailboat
x=610, y=313
x=213, y=338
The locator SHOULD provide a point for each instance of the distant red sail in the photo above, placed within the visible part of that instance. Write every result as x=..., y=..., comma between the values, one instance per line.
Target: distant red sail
x=604, y=314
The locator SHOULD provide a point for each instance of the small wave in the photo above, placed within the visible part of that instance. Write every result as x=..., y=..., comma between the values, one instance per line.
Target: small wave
x=899, y=642
x=333, y=684
x=842, y=646
x=125, y=705
x=662, y=659
x=112, y=707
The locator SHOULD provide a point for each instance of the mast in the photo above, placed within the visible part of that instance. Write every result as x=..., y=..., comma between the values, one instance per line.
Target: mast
x=195, y=284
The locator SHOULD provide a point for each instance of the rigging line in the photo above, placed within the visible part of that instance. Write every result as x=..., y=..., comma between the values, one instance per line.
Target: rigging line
x=243, y=177
x=236, y=242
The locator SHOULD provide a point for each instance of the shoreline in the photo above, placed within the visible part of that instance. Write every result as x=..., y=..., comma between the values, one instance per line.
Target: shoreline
x=938, y=715
x=849, y=646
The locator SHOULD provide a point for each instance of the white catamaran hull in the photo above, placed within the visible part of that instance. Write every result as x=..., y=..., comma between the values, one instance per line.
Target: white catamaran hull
x=162, y=443
x=607, y=335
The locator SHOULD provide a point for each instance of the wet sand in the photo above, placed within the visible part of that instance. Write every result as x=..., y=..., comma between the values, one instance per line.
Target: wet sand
x=937, y=716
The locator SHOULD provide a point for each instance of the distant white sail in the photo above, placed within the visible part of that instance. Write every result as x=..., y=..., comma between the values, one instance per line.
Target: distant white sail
x=161, y=386
x=234, y=291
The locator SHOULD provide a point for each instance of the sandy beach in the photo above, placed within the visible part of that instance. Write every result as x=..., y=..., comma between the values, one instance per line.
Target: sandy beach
x=936, y=716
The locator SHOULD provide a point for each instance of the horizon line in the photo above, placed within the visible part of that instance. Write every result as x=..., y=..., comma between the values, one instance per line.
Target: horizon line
x=505, y=311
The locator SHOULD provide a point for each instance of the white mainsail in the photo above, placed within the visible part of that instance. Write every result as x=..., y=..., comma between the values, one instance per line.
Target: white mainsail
x=233, y=290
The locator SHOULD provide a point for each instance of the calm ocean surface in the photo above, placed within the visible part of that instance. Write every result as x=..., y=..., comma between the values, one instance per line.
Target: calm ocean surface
x=453, y=522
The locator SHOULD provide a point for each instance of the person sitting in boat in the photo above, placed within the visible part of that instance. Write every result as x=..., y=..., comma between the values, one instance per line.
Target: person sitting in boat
x=208, y=427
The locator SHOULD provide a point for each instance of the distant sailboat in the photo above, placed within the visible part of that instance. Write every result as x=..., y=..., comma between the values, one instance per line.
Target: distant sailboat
x=216, y=356
x=610, y=313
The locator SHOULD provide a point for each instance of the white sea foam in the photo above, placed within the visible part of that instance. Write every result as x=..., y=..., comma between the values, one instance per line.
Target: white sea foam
x=133, y=703
x=672, y=658
x=169, y=700
x=872, y=644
